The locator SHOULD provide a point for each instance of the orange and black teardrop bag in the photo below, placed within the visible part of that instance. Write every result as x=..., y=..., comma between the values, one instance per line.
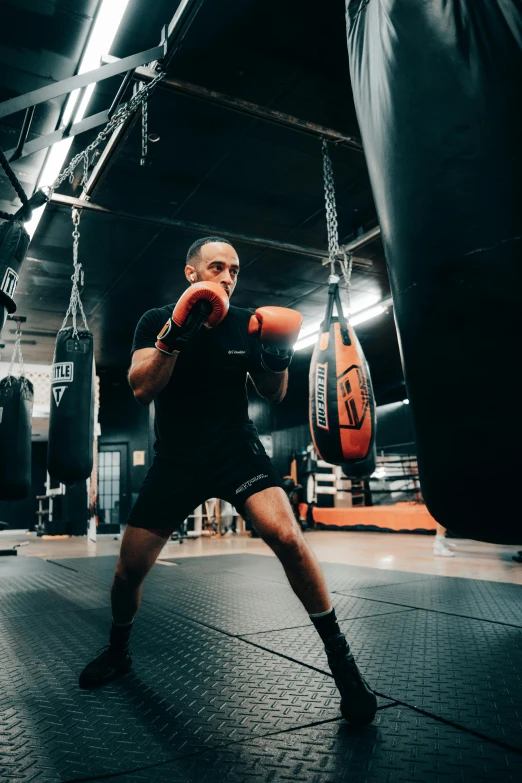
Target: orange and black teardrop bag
x=342, y=405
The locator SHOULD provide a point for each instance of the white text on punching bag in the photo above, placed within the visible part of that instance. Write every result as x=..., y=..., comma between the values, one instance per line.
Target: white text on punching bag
x=63, y=372
x=321, y=375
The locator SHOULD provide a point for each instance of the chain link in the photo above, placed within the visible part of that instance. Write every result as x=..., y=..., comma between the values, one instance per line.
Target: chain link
x=334, y=254
x=77, y=277
x=17, y=354
x=331, y=208
x=123, y=113
x=346, y=263
x=144, y=133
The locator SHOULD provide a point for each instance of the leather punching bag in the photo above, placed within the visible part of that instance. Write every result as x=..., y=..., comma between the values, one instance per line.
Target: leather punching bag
x=437, y=90
x=71, y=425
x=342, y=406
x=14, y=241
x=16, y=410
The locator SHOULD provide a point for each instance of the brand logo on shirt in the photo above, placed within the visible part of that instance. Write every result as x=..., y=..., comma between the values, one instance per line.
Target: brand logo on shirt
x=237, y=352
x=250, y=482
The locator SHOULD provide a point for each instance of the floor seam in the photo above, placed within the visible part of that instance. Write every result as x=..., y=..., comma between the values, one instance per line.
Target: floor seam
x=434, y=611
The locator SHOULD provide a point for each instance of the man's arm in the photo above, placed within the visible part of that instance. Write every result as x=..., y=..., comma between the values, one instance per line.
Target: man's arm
x=271, y=386
x=149, y=373
x=152, y=367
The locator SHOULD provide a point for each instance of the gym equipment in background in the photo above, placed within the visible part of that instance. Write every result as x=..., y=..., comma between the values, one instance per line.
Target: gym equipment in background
x=16, y=409
x=71, y=423
x=342, y=405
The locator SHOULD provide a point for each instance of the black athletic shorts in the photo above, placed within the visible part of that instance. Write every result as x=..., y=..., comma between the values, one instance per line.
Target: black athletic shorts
x=173, y=488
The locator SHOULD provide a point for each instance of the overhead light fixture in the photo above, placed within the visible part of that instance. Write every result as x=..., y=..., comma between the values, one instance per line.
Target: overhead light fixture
x=108, y=20
x=309, y=334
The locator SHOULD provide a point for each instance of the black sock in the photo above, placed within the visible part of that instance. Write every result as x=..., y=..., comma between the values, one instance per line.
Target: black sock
x=120, y=636
x=326, y=625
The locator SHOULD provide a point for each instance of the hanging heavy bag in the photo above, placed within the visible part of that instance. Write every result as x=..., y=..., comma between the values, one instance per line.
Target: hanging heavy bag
x=437, y=92
x=16, y=410
x=14, y=241
x=342, y=405
x=71, y=423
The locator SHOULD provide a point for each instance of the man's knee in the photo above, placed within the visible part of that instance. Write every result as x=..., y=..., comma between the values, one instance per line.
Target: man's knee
x=285, y=541
x=128, y=575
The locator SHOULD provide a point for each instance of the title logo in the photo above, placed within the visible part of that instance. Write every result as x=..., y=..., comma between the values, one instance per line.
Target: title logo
x=9, y=282
x=58, y=392
x=63, y=372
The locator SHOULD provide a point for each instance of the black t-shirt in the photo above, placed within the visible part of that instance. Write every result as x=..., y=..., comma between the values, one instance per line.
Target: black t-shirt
x=202, y=413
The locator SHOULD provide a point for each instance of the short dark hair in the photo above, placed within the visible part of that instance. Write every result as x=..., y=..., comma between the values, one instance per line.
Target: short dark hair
x=193, y=251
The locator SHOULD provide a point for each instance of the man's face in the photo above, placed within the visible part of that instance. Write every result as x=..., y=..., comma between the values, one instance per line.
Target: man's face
x=217, y=263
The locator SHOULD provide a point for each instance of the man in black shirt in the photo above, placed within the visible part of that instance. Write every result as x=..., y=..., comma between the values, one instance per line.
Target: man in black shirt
x=192, y=358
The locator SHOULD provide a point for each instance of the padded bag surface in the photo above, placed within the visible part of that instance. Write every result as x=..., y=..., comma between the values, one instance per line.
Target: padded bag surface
x=437, y=89
x=14, y=241
x=16, y=410
x=71, y=425
x=342, y=406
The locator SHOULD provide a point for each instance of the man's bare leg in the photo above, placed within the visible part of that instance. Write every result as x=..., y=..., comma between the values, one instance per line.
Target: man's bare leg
x=271, y=514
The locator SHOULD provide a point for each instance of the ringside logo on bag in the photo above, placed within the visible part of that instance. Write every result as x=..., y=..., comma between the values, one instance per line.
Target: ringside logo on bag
x=63, y=372
x=321, y=374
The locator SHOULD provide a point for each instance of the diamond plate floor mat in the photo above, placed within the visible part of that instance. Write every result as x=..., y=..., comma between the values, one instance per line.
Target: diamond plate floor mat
x=241, y=605
x=191, y=688
x=44, y=588
x=338, y=575
x=400, y=746
x=465, y=671
x=495, y=601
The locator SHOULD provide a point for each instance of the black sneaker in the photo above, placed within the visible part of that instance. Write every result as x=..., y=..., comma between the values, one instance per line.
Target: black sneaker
x=105, y=668
x=358, y=701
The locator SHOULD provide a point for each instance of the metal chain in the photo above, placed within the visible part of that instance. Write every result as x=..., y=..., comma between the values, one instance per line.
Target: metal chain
x=331, y=208
x=76, y=277
x=144, y=133
x=346, y=262
x=345, y=259
x=123, y=113
x=17, y=354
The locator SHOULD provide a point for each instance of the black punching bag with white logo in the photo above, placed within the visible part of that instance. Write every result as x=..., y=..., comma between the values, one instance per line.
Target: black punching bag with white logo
x=14, y=241
x=16, y=410
x=71, y=425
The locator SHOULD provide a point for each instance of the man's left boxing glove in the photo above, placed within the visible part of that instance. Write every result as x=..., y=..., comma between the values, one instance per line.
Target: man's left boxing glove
x=278, y=329
x=202, y=303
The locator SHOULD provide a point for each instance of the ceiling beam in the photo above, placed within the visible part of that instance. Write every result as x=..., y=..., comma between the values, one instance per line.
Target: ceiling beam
x=244, y=107
x=200, y=228
x=176, y=31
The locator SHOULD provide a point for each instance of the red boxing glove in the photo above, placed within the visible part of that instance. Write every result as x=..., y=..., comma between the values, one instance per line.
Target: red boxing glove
x=278, y=329
x=202, y=303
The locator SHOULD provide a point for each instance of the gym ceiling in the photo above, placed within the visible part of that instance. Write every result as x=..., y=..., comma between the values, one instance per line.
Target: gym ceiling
x=224, y=168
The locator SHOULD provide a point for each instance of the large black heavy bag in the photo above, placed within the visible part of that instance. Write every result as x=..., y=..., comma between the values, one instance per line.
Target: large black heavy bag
x=71, y=424
x=437, y=89
x=14, y=241
x=342, y=405
x=16, y=410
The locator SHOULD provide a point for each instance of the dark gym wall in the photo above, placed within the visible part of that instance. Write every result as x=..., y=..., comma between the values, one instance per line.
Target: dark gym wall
x=21, y=514
x=123, y=420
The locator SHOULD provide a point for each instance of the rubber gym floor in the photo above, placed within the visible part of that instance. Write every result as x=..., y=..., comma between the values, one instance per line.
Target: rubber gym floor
x=230, y=682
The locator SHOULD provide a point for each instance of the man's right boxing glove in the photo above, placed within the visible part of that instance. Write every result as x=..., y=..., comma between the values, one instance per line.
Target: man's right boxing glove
x=202, y=303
